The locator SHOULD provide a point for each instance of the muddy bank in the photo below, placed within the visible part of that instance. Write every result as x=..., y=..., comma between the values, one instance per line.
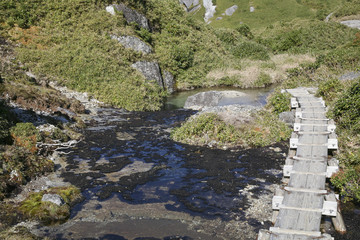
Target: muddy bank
x=139, y=184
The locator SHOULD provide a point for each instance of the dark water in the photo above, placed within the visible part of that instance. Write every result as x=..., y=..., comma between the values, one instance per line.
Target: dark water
x=130, y=158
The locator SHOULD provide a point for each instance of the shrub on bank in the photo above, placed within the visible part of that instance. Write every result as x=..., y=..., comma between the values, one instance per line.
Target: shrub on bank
x=48, y=212
x=18, y=166
x=209, y=129
x=279, y=102
x=25, y=135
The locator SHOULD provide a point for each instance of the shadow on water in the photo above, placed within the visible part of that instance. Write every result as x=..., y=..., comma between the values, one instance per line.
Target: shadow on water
x=137, y=161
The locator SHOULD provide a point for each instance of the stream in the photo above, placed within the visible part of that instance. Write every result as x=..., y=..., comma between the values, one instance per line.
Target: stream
x=140, y=184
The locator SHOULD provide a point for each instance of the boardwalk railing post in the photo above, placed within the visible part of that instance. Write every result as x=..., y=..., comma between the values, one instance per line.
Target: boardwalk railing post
x=338, y=221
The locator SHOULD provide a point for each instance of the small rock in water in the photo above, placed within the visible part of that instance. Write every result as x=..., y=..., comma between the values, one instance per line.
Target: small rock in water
x=54, y=198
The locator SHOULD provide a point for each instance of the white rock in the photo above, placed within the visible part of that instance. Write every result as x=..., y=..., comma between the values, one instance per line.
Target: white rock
x=111, y=10
x=54, y=198
x=230, y=11
x=352, y=23
x=209, y=10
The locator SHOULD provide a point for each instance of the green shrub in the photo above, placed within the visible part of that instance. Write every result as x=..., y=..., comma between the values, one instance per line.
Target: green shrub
x=23, y=13
x=205, y=128
x=279, y=102
x=305, y=37
x=265, y=129
x=25, y=135
x=341, y=58
x=348, y=182
x=251, y=50
x=228, y=36
x=347, y=108
x=329, y=89
x=18, y=165
x=48, y=212
x=263, y=80
x=244, y=30
x=288, y=41
x=349, y=7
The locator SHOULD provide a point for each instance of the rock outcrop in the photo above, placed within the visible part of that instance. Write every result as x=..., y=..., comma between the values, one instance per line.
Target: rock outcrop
x=209, y=10
x=133, y=43
x=150, y=70
x=288, y=118
x=54, y=198
x=352, y=23
x=230, y=11
x=169, y=82
x=130, y=15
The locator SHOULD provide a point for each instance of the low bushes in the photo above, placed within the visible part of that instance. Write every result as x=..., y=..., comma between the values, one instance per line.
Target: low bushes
x=251, y=50
x=48, y=212
x=279, y=102
x=209, y=129
x=19, y=165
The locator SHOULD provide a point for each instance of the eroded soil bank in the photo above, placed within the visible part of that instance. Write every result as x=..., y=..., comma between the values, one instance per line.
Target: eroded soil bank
x=139, y=184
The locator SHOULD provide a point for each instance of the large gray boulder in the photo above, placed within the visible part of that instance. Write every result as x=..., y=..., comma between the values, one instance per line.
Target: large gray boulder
x=133, y=43
x=352, y=23
x=169, y=82
x=54, y=198
x=213, y=98
x=130, y=15
x=349, y=76
x=150, y=70
x=230, y=11
x=287, y=117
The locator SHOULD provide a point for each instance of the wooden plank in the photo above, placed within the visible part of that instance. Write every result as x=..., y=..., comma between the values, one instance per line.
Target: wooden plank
x=294, y=232
x=298, y=220
x=303, y=200
x=307, y=182
x=309, y=159
x=292, y=189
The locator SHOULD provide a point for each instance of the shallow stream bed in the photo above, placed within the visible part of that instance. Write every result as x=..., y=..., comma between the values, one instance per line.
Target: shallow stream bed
x=139, y=184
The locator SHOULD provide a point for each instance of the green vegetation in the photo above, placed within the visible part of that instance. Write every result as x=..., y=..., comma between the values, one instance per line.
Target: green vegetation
x=48, y=212
x=210, y=129
x=348, y=8
x=268, y=12
x=306, y=36
x=25, y=135
x=205, y=128
x=279, y=102
x=345, y=107
x=19, y=165
x=70, y=42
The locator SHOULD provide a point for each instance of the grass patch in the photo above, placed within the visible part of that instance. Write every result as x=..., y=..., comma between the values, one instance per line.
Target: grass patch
x=48, y=212
x=269, y=11
x=209, y=129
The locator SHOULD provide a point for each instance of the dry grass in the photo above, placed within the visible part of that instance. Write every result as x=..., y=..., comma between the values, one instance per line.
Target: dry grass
x=250, y=71
x=345, y=18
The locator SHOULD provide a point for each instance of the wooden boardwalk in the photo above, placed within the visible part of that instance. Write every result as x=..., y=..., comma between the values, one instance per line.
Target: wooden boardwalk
x=299, y=206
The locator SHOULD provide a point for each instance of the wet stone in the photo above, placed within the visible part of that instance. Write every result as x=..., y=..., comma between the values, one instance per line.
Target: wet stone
x=54, y=198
